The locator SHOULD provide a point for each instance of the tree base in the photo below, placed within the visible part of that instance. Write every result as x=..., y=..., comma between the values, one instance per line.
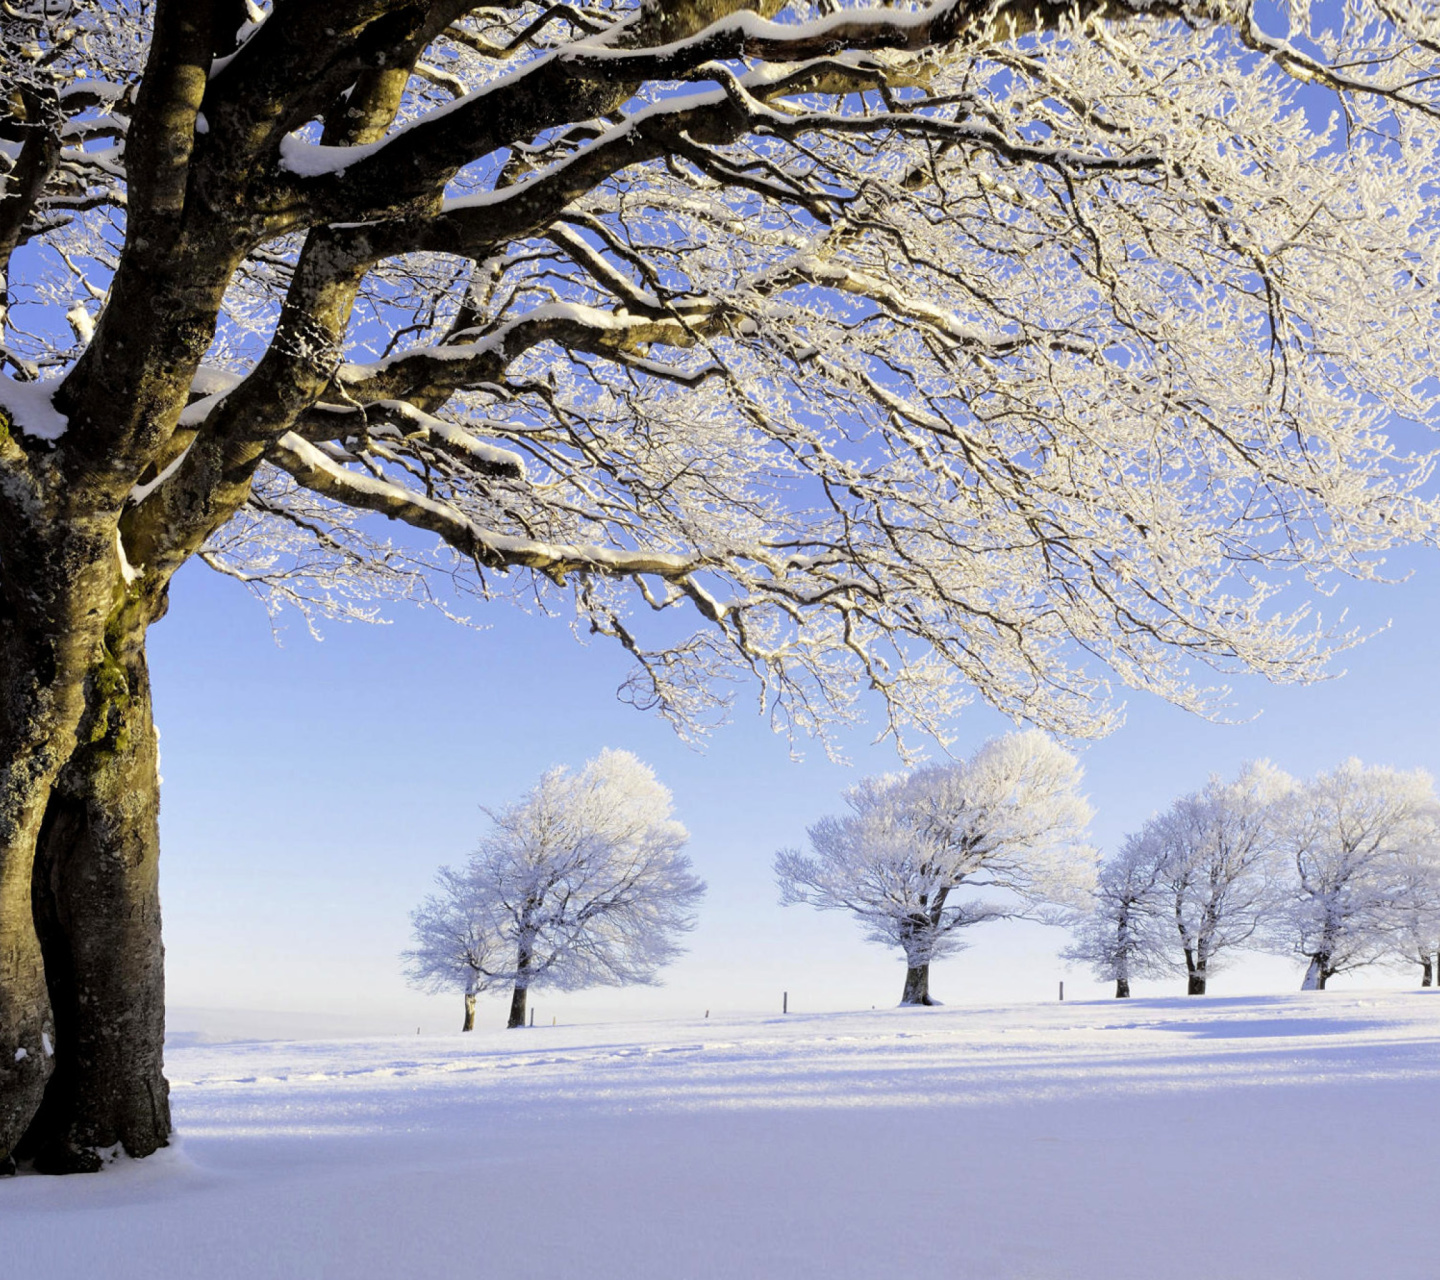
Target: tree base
x=924, y=1002
x=63, y=1157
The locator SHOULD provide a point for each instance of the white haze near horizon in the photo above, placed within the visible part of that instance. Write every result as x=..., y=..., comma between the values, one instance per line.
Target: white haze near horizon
x=311, y=790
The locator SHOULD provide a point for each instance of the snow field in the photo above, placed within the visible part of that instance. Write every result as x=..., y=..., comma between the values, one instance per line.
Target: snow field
x=1265, y=1137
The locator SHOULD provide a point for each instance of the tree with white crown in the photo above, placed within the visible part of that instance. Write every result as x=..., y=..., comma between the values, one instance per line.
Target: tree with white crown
x=928, y=348
x=1119, y=932
x=1363, y=843
x=1007, y=824
x=580, y=884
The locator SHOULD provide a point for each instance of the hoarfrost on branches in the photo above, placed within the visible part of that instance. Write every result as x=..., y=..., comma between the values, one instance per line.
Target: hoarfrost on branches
x=1118, y=936
x=973, y=348
x=582, y=883
x=458, y=943
x=1417, y=908
x=1216, y=850
x=1356, y=838
x=1009, y=819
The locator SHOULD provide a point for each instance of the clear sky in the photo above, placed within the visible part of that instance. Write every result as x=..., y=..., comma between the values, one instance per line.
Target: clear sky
x=311, y=790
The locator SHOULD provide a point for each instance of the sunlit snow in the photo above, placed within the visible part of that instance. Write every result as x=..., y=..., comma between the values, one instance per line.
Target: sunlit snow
x=1255, y=1137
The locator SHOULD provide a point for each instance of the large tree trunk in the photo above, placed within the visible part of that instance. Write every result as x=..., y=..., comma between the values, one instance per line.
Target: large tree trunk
x=917, y=985
x=523, y=959
x=469, y=1012
x=27, y=1031
x=1122, y=988
x=1425, y=971
x=1195, y=983
x=97, y=913
x=1194, y=974
x=55, y=595
x=1317, y=973
x=517, y=1008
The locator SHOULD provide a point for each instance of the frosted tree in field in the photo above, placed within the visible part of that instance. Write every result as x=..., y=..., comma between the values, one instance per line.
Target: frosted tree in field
x=1010, y=818
x=1352, y=837
x=1120, y=936
x=1417, y=908
x=1216, y=854
x=582, y=883
x=1006, y=347
x=459, y=944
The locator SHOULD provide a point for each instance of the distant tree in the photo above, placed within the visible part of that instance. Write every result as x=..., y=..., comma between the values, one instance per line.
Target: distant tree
x=1352, y=836
x=1119, y=936
x=1009, y=818
x=580, y=884
x=457, y=943
x=1216, y=855
x=1418, y=910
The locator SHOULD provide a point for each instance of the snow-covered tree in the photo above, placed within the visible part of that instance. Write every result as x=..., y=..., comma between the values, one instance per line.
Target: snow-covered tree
x=966, y=345
x=1118, y=935
x=1009, y=818
x=1353, y=837
x=1216, y=850
x=1417, y=908
x=580, y=884
x=459, y=944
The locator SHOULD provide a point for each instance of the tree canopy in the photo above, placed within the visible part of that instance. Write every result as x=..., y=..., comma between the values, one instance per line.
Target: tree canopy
x=912, y=342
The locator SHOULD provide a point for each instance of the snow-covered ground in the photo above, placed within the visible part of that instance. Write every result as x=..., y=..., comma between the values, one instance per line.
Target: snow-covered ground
x=1266, y=1137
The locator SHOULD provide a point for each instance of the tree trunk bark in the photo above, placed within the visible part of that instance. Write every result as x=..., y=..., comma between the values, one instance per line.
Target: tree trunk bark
x=1425, y=971
x=97, y=912
x=1317, y=974
x=917, y=985
x=517, y=1008
x=1194, y=974
x=1122, y=988
x=27, y=1029
x=55, y=596
x=469, y=1012
x=525, y=953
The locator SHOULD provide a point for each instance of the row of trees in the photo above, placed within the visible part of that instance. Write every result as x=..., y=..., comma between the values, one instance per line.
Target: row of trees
x=1342, y=869
x=582, y=883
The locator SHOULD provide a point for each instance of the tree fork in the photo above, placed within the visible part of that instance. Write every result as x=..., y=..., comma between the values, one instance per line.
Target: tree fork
x=97, y=914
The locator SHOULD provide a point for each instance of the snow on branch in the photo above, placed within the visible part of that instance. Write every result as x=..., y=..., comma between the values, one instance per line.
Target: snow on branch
x=970, y=348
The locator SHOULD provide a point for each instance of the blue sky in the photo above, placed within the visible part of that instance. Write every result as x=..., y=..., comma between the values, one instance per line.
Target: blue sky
x=311, y=789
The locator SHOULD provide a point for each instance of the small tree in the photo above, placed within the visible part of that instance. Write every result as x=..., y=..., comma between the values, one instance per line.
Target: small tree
x=1011, y=818
x=457, y=943
x=1216, y=856
x=1417, y=908
x=1119, y=937
x=1352, y=835
x=580, y=884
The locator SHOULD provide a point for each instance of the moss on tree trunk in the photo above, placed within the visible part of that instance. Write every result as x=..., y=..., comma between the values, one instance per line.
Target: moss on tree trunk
x=97, y=913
